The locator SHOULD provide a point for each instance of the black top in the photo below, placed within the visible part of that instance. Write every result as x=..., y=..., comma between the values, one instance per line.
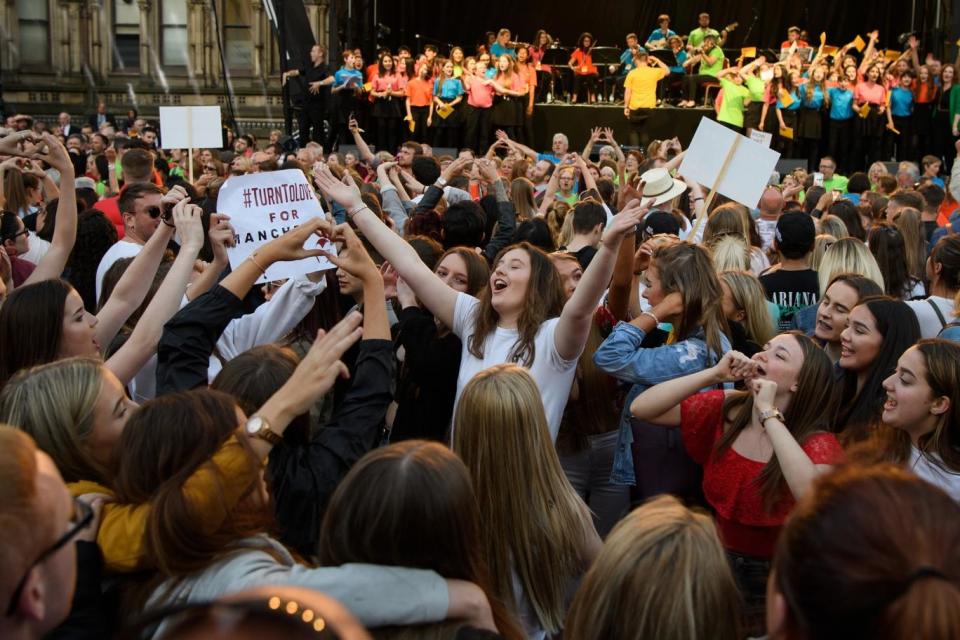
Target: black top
x=428, y=378
x=302, y=476
x=791, y=291
x=311, y=73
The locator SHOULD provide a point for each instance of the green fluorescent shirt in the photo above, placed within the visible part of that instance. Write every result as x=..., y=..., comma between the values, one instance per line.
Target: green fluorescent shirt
x=837, y=182
x=712, y=69
x=695, y=39
x=756, y=87
x=731, y=108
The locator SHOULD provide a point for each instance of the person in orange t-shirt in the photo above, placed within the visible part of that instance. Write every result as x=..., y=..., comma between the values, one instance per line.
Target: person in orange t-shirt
x=419, y=105
x=584, y=72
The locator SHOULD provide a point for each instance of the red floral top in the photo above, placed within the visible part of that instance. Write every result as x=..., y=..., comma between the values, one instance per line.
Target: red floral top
x=730, y=480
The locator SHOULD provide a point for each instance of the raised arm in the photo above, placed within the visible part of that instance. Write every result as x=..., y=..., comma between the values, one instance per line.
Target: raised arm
x=437, y=296
x=137, y=351
x=799, y=470
x=581, y=165
x=358, y=140
x=660, y=404
x=525, y=150
x=549, y=195
x=65, y=234
x=578, y=312
x=221, y=235
x=595, y=134
x=869, y=52
x=133, y=286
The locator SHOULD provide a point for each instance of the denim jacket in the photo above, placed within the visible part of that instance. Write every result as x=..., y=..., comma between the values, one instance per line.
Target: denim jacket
x=622, y=357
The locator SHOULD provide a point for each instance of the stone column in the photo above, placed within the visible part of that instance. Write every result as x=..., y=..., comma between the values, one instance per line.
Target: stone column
x=147, y=39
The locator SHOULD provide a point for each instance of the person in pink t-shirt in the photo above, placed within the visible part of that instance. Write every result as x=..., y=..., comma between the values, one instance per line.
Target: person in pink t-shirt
x=479, y=99
x=388, y=93
x=872, y=124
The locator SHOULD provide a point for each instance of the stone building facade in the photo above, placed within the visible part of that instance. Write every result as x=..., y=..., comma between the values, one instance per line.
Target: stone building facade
x=64, y=55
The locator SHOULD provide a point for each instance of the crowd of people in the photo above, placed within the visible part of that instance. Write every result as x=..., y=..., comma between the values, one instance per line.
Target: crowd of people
x=542, y=394
x=858, y=103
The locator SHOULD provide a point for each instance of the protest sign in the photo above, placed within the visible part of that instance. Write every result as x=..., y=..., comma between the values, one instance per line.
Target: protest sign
x=264, y=206
x=190, y=128
x=761, y=137
x=723, y=160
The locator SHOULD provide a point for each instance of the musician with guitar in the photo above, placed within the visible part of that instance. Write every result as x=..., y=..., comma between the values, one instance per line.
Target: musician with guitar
x=658, y=38
x=695, y=39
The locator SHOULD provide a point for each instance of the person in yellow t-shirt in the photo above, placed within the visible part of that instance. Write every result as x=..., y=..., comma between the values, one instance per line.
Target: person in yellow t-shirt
x=640, y=85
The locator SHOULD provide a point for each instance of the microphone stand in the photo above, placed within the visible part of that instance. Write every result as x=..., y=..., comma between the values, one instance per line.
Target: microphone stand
x=746, y=36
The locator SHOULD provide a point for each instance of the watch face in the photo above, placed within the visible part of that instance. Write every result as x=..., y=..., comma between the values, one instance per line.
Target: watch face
x=254, y=425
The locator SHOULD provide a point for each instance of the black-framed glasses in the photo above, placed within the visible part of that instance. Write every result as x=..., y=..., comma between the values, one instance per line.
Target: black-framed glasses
x=16, y=235
x=82, y=517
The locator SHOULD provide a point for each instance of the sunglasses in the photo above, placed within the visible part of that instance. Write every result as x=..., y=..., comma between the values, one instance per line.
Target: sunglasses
x=210, y=169
x=82, y=517
x=164, y=213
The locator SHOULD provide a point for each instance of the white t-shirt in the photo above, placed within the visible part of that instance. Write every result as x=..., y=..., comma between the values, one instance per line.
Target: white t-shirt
x=552, y=373
x=930, y=324
x=119, y=250
x=937, y=476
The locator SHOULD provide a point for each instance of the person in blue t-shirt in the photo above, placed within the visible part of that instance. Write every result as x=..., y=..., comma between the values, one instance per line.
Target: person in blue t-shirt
x=503, y=46
x=347, y=89
x=840, y=132
x=814, y=99
x=659, y=36
x=900, y=119
x=627, y=65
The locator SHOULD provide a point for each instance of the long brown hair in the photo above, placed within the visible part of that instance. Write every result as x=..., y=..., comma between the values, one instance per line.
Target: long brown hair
x=811, y=409
x=544, y=300
x=411, y=504
x=31, y=325
x=533, y=519
x=163, y=444
x=689, y=270
x=941, y=447
x=871, y=552
x=662, y=574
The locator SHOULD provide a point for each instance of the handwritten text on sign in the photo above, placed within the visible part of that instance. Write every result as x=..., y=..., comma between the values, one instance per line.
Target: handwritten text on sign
x=264, y=206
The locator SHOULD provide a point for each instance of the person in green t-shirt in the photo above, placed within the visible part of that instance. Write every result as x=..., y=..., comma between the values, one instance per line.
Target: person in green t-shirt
x=695, y=39
x=832, y=180
x=710, y=58
x=735, y=99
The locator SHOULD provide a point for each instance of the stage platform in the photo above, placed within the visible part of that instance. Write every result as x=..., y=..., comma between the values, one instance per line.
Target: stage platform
x=576, y=121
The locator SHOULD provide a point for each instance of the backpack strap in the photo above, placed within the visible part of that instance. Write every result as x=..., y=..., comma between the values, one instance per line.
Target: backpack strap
x=936, y=309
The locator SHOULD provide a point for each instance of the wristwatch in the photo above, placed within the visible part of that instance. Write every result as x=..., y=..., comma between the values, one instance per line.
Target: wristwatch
x=440, y=182
x=766, y=415
x=257, y=427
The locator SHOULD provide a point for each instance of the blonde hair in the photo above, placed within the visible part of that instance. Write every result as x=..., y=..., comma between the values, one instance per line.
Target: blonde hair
x=848, y=255
x=823, y=242
x=834, y=226
x=662, y=574
x=730, y=253
x=535, y=524
x=54, y=403
x=556, y=216
x=749, y=297
x=729, y=218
